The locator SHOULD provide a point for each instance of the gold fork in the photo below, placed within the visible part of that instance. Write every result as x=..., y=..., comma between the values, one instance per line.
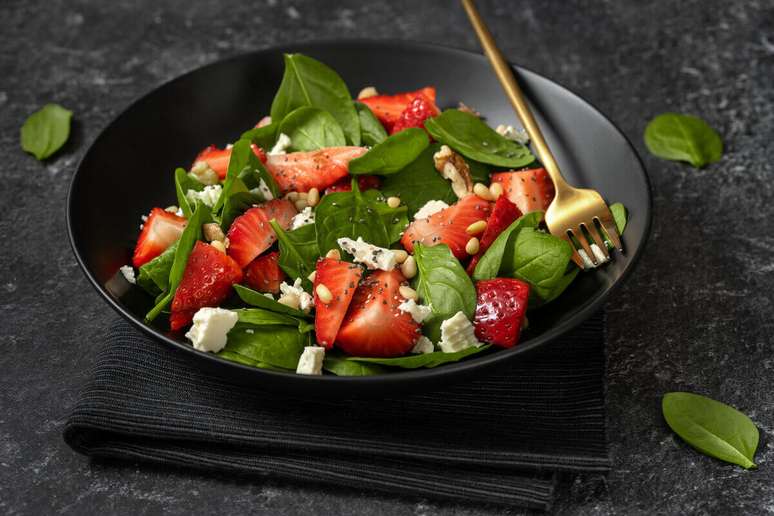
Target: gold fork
x=574, y=212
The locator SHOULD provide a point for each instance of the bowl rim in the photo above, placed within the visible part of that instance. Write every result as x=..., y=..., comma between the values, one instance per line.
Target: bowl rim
x=397, y=377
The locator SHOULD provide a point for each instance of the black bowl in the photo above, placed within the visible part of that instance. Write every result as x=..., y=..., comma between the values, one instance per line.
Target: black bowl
x=128, y=170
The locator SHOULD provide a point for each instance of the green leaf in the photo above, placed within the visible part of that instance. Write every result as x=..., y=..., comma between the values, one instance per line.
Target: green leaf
x=540, y=259
x=253, y=298
x=183, y=183
x=298, y=250
x=433, y=359
x=46, y=130
x=236, y=204
x=344, y=367
x=245, y=171
x=311, y=129
x=443, y=285
x=308, y=82
x=471, y=137
x=558, y=287
x=279, y=346
x=241, y=359
x=479, y=172
x=678, y=137
x=260, y=317
x=264, y=137
x=371, y=129
x=489, y=265
x=619, y=213
x=357, y=214
x=393, y=154
x=154, y=275
x=712, y=427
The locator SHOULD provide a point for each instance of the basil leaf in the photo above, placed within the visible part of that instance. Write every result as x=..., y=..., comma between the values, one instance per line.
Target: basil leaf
x=308, y=82
x=433, y=359
x=489, y=265
x=712, y=427
x=298, y=250
x=393, y=154
x=241, y=359
x=311, y=129
x=253, y=298
x=46, y=130
x=471, y=137
x=244, y=168
x=538, y=258
x=259, y=317
x=679, y=137
x=154, y=275
x=419, y=182
x=279, y=346
x=371, y=129
x=443, y=285
x=618, y=211
x=357, y=214
x=344, y=367
x=264, y=137
x=183, y=183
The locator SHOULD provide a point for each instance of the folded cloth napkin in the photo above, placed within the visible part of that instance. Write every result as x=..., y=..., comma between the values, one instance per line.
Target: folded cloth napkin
x=500, y=439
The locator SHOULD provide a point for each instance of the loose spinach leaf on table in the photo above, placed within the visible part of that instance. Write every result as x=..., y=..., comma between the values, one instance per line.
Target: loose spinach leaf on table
x=501, y=249
x=540, y=259
x=357, y=214
x=341, y=366
x=678, y=137
x=279, y=346
x=371, y=129
x=46, y=130
x=443, y=285
x=712, y=427
x=183, y=183
x=311, y=129
x=264, y=137
x=241, y=359
x=253, y=298
x=433, y=359
x=471, y=137
x=298, y=250
x=153, y=276
x=261, y=317
x=308, y=82
x=393, y=154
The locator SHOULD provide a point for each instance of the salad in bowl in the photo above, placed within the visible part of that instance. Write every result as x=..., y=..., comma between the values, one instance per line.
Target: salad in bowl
x=355, y=237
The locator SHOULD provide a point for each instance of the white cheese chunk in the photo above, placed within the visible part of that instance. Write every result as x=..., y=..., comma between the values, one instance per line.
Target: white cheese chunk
x=423, y=345
x=598, y=254
x=430, y=208
x=511, y=133
x=208, y=196
x=281, y=147
x=305, y=300
x=210, y=328
x=457, y=334
x=128, y=273
x=311, y=360
x=369, y=255
x=263, y=190
x=303, y=218
x=418, y=312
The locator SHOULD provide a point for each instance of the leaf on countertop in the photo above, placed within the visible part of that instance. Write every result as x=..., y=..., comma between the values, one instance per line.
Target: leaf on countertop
x=46, y=130
x=679, y=137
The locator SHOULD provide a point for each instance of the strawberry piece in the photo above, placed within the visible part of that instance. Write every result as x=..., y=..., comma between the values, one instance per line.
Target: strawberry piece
x=364, y=182
x=217, y=159
x=341, y=278
x=500, y=308
x=207, y=281
x=448, y=226
x=160, y=231
x=250, y=234
x=301, y=171
x=503, y=214
x=374, y=326
x=415, y=114
x=530, y=190
x=264, y=274
x=389, y=108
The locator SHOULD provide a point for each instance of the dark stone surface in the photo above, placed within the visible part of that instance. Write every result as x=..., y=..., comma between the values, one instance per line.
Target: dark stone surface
x=697, y=314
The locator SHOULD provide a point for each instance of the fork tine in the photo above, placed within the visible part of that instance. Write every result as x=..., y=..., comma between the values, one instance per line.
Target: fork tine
x=597, y=238
x=575, y=256
x=612, y=233
x=580, y=236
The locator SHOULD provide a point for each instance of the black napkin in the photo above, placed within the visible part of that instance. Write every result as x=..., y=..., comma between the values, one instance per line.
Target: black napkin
x=500, y=439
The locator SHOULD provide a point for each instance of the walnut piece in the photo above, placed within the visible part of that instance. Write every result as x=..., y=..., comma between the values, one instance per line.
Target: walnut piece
x=453, y=167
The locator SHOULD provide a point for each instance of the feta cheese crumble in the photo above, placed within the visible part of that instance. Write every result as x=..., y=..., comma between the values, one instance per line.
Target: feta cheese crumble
x=369, y=255
x=457, y=334
x=128, y=273
x=511, y=133
x=208, y=196
x=430, y=208
x=210, y=328
x=263, y=190
x=283, y=142
x=302, y=218
x=423, y=345
x=311, y=360
x=305, y=300
x=418, y=312
x=598, y=254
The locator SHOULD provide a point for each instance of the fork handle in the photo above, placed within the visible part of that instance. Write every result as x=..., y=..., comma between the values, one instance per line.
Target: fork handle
x=515, y=96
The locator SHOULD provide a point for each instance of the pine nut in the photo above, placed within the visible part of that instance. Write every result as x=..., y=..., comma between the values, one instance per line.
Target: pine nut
x=482, y=191
x=496, y=189
x=334, y=254
x=303, y=195
x=476, y=228
x=393, y=202
x=212, y=232
x=409, y=267
x=292, y=196
x=312, y=276
x=472, y=246
x=313, y=197
x=301, y=204
x=368, y=91
x=290, y=300
x=220, y=246
x=400, y=255
x=408, y=292
x=323, y=294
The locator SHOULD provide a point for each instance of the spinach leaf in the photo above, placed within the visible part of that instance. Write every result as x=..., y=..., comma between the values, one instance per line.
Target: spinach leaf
x=241, y=359
x=260, y=317
x=357, y=214
x=253, y=298
x=489, y=265
x=471, y=137
x=154, y=275
x=345, y=367
x=237, y=203
x=712, y=427
x=311, y=129
x=244, y=168
x=479, y=172
x=298, y=250
x=46, y=130
x=678, y=137
x=433, y=359
x=557, y=289
x=183, y=183
x=264, y=137
x=393, y=154
x=308, y=82
x=443, y=285
x=279, y=346
x=371, y=129
x=419, y=182
x=540, y=259
x=618, y=211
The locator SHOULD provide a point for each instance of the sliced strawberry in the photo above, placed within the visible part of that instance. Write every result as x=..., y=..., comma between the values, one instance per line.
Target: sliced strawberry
x=264, y=274
x=448, y=226
x=207, y=281
x=250, y=234
x=503, y=214
x=217, y=159
x=364, y=182
x=301, y=171
x=388, y=108
x=341, y=278
x=500, y=308
x=530, y=190
x=374, y=326
x=160, y=231
x=415, y=114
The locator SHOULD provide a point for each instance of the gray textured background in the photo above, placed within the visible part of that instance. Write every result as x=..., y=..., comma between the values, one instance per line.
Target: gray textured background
x=697, y=315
